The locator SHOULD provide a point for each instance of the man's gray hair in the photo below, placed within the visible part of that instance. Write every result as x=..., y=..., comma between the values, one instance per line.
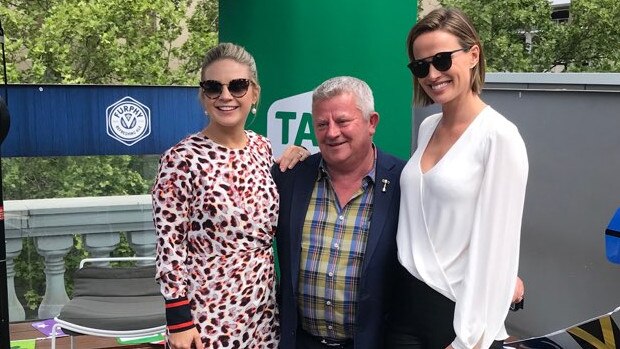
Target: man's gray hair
x=347, y=84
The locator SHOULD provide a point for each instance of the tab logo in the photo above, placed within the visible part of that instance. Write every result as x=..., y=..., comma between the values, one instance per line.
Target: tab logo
x=289, y=121
x=128, y=121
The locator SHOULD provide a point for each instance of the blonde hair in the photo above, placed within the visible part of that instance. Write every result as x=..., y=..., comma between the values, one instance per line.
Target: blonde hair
x=455, y=22
x=239, y=54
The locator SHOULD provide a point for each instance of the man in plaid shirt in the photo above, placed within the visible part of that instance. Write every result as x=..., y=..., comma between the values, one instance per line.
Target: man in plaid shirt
x=337, y=227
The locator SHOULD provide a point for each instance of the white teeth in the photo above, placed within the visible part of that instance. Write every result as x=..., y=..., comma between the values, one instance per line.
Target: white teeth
x=438, y=86
x=226, y=108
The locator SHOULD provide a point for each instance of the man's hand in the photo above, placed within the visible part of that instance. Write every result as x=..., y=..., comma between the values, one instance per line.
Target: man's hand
x=291, y=156
x=185, y=339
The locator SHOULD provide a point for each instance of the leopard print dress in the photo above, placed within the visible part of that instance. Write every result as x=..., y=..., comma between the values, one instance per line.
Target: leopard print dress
x=215, y=212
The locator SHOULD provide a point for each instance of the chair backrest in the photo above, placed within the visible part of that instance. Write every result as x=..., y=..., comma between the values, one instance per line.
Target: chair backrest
x=115, y=282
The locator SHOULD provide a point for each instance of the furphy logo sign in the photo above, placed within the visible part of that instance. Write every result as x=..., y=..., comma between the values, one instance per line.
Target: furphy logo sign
x=289, y=121
x=128, y=121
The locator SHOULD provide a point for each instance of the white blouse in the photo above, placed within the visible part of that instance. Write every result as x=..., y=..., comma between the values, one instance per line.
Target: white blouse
x=460, y=223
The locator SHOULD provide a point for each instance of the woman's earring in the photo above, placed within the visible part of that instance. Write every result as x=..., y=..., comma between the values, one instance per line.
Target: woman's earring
x=253, y=110
x=206, y=114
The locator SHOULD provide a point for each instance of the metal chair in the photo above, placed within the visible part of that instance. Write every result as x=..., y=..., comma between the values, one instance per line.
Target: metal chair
x=113, y=302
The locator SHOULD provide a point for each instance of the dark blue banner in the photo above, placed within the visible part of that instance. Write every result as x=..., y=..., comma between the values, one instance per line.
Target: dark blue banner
x=59, y=120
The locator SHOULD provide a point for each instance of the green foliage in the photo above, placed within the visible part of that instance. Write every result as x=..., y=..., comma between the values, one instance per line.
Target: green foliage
x=202, y=29
x=36, y=178
x=106, y=41
x=95, y=42
x=590, y=42
x=29, y=276
x=56, y=177
x=581, y=44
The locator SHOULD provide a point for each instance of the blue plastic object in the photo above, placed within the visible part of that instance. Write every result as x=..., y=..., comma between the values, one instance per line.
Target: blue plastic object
x=612, y=239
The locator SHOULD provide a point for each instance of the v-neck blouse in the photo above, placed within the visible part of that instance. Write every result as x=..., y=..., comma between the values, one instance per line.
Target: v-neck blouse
x=460, y=222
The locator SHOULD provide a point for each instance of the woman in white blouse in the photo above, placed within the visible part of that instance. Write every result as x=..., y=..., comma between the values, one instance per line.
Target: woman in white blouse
x=461, y=201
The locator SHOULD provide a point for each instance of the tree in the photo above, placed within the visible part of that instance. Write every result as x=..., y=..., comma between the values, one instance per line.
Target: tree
x=144, y=42
x=587, y=42
x=106, y=41
x=99, y=42
x=56, y=177
x=95, y=42
x=28, y=178
x=590, y=41
x=202, y=29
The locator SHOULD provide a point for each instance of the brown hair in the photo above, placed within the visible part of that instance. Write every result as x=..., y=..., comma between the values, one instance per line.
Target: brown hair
x=455, y=22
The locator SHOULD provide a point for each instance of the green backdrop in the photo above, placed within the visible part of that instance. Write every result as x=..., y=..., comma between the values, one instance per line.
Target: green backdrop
x=298, y=44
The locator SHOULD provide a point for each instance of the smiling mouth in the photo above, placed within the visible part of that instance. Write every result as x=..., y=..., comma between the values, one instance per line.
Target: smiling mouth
x=439, y=85
x=335, y=144
x=226, y=108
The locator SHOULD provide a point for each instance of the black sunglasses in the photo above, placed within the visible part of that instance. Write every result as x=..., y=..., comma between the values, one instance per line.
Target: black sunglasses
x=236, y=87
x=441, y=61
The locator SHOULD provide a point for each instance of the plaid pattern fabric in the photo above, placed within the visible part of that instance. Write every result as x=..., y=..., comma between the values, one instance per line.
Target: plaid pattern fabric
x=332, y=251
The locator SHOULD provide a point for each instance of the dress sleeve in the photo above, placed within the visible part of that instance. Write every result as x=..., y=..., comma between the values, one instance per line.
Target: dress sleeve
x=269, y=150
x=483, y=301
x=171, y=195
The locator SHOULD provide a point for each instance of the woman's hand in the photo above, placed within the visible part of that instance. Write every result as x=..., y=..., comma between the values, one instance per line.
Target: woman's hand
x=185, y=339
x=517, y=296
x=291, y=156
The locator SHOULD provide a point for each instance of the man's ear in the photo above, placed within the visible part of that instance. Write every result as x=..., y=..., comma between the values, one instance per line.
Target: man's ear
x=373, y=121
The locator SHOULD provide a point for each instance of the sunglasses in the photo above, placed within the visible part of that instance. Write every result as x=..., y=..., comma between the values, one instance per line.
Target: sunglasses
x=441, y=61
x=236, y=87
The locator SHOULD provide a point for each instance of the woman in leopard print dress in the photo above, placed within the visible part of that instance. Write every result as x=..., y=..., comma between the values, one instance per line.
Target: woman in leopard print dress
x=215, y=208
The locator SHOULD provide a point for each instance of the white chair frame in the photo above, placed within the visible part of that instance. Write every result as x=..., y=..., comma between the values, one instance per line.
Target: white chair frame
x=104, y=333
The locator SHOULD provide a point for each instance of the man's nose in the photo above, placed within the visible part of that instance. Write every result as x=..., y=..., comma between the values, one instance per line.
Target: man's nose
x=333, y=130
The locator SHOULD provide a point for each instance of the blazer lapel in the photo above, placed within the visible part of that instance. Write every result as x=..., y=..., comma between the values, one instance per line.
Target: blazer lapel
x=381, y=206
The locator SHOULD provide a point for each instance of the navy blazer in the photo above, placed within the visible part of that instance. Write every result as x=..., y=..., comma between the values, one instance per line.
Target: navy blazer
x=380, y=259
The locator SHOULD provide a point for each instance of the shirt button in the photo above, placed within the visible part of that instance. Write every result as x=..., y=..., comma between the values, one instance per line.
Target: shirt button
x=330, y=327
x=330, y=274
x=341, y=217
x=336, y=245
x=328, y=303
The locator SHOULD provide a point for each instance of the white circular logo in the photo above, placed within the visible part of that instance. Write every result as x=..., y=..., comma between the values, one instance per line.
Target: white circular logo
x=128, y=121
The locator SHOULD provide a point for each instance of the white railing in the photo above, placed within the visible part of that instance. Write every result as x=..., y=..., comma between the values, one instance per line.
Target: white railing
x=53, y=223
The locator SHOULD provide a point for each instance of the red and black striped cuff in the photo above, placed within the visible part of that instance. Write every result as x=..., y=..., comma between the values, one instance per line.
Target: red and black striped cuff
x=178, y=315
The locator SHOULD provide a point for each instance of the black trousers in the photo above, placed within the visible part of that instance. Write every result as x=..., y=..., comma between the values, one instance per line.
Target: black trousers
x=420, y=317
